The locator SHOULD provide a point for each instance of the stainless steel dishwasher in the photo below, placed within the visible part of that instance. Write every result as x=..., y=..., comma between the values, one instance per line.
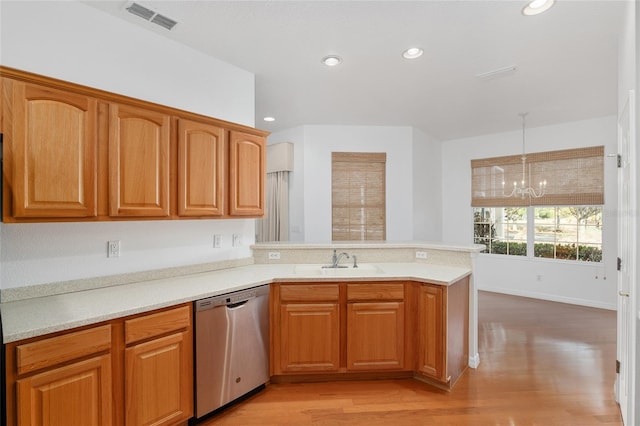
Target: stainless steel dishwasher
x=232, y=347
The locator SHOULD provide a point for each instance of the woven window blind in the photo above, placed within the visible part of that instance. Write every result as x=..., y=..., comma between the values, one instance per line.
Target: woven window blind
x=574, y=177
x=358, y=196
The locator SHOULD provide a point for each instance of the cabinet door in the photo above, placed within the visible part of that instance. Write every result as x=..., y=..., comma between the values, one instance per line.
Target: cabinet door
x=200, y=169
x=138, y=162
x=53, y=142
x=375, y=336
x=431, y=332
x=247, y=174
x=309, y=337
x=158, y=381
x=76, y=394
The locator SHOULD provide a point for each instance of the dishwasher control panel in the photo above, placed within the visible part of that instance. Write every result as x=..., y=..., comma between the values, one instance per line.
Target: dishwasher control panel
x=231, y=298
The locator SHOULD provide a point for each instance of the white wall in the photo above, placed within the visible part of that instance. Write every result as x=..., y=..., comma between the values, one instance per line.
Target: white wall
x=313, y=196
x=564, y=281
x=75, y=42
x=427, y=187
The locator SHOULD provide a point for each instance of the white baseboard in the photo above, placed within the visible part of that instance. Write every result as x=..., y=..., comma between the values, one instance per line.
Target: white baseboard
x=551, y=297
x=474, y=360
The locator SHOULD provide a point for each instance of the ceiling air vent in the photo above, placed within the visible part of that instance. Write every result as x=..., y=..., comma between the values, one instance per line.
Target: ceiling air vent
x=141, y=11
x=163, y=21
x=151, y=15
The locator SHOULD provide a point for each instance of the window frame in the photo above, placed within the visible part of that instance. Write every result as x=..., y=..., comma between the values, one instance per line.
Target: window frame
x=531, y=238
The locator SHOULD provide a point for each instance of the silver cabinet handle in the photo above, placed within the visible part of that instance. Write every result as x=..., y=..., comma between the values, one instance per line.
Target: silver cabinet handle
x=622, y=293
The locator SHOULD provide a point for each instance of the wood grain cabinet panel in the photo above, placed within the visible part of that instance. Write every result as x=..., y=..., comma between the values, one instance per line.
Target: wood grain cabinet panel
x=134, y=371
x=75, y=153
x=157, y=379
x=51, y=143
x=247, y=174
x=431, y=337
x=139, y=149
x=75, y=394
x=66, y=347
x=309, y=337
x=375, y=335
x=201, y=170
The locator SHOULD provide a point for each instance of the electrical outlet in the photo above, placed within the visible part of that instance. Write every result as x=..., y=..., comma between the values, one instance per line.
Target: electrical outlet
x=237, y=240
x=113, y=248
x=538, y=277
x=217, y=241
x=274, y=255
x=421, y=255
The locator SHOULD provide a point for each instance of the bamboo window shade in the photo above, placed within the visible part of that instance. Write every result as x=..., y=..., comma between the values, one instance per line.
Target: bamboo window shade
x=358, y=196
x=574, y=177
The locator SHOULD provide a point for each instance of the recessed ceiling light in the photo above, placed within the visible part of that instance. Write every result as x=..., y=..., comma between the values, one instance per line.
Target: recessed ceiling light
x=332, y=60
x=269, y=119
x=412, y=53
x=536, y=7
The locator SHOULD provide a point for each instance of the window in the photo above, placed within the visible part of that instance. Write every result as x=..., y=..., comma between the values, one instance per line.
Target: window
x=573, y=233
x=564, y=223
x=569, y=233
x=503, y=230
x=358, y=196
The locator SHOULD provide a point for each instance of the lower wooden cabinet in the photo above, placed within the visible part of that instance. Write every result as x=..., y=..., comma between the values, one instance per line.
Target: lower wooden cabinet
x=337, y=328
x=159, y=368
x=76, y=394
x=431, y=339
x=305, y=328
x=375, y=326
x=443, y=331
x=131, y=371
x=310, y=337
x=399, y=329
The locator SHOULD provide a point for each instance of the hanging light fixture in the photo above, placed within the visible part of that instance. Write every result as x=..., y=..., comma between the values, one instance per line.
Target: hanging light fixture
x=523, y=190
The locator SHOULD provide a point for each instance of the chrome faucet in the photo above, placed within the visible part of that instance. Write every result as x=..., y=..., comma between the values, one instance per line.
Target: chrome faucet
x=335, y=259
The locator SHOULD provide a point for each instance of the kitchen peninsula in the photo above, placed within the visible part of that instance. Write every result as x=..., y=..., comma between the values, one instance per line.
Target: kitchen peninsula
x=397, y=288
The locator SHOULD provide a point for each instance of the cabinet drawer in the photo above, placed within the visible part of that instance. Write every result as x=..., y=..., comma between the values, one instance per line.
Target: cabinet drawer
x=59, y=349
x=157, y=324
x=309, y=292
x=375, y=291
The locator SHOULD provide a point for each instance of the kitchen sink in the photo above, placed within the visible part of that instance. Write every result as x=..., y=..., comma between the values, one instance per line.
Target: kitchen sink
x=364, y=269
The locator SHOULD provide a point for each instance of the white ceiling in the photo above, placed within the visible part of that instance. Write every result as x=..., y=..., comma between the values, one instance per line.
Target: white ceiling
x=566, y=59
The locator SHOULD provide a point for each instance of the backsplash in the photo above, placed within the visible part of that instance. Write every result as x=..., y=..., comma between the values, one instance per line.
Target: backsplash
x=366, y=253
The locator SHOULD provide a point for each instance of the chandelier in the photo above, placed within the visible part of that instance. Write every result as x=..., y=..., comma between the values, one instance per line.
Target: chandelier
x=523, y=190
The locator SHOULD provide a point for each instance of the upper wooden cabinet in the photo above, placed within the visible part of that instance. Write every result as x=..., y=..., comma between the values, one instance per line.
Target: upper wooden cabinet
x=73, y=153
x=201, y=171
x=247, y=174
x=50, y=144
x=138, y=162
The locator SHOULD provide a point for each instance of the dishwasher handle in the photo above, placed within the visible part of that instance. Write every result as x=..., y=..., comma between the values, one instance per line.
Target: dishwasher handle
x=236, y=305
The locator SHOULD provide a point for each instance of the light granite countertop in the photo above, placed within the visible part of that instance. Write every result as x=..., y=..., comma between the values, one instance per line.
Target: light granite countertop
x=23, y=319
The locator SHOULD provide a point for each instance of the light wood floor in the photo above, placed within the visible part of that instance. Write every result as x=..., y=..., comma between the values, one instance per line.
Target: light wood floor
x=541, y=363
